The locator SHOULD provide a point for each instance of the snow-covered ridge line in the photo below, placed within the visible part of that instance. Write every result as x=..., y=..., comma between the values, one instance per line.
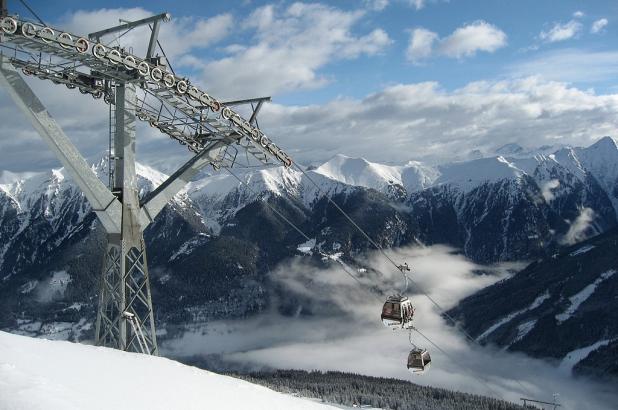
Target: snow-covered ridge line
x=599, y=160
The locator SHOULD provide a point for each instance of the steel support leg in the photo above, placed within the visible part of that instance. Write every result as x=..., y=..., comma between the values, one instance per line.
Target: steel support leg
x=125, y=284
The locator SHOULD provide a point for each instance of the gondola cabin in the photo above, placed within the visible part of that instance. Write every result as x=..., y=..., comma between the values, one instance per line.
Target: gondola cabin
x=397, y=312
x=419, y=361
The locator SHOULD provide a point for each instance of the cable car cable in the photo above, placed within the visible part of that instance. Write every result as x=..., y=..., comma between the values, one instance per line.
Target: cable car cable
x=364, y=286
x=32, y=12
x=479, y=378
x=406, y=276
x=382, y=251
x=324, y=254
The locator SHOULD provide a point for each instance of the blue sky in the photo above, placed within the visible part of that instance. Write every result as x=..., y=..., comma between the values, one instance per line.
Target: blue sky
x=521, y=21
x=389, y=80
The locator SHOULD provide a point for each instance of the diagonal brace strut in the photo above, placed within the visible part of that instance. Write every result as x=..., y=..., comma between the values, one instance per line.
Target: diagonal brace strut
x=103, y=202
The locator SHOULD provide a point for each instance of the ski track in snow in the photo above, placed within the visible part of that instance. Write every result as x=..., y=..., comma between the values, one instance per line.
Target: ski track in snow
x=581, y=250
x=581, y=296
x=523, y=329
x=573, y=357
x=535, y=304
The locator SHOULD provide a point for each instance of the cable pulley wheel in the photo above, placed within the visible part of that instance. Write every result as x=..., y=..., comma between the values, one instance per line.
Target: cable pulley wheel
x=156, y=74
x=28, y=30
x=227, y=113
x=182, y=87
x=99, y=51
x=215, y=105
x=9, y=25
x=114, y=57
x=81, y=45
x=46, y=34
x=143, y=69
x=130, y=63
x=65, y=40
x=169, y=80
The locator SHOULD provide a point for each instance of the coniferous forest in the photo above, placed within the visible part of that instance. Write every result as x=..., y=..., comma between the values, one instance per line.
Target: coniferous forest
x=371, y=392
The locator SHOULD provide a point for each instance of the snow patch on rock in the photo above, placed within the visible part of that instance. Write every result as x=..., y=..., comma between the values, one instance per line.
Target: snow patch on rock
x=535, y=304
x=580, y=297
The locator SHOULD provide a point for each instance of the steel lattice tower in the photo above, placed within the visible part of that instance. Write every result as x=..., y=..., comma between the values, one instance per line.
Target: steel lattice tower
x=211, y=130
x=124, y=292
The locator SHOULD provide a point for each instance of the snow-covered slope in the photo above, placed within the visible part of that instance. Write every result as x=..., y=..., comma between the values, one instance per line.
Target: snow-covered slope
x=470, y=174
x=601, y=159
x=413, y=176
x=53, y=375
x=562, y=307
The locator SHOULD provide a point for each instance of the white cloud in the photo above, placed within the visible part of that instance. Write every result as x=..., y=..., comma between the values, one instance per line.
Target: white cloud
x=291, y=45
x=579, y=229
x=579, y=14
x=344, y=333
x=561, y=32
x=570, y=65
x=421, y=4
x=424, y=122
x=421, y=44
x=417, y=4
x=377, y=5
x=598, y=26
x=418, y=121
x=548, y=188
x=382, y=4
x=465, y=41
x=179, y=36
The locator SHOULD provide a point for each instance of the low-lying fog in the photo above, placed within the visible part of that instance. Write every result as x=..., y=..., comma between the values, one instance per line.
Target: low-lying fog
x=355, y=341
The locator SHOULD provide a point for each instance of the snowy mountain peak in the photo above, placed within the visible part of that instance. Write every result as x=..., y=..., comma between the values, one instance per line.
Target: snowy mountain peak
x=413, y=176
x=360, y=172
x=510, y=149
x=470, y=174
x=605, y=143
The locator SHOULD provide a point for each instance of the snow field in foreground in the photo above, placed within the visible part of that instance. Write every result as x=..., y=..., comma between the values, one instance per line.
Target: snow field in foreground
x=53, y=375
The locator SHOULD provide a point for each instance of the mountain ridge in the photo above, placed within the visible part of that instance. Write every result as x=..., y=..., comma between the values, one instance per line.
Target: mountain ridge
x=217, y=239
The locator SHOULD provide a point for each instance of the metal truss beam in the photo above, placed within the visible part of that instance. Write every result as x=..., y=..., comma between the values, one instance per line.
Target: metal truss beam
x=210, y=129
x=247, y=101
x=154, y=35
x=259, y=100
x=183, y=111
x=255, y=113
x=104, y=204
x=126, y=26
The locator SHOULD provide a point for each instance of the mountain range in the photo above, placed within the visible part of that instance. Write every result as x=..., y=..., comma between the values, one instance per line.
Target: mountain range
x=211, y=249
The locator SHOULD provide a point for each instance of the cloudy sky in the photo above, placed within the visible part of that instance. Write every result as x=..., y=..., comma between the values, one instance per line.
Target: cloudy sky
x=390, y=80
